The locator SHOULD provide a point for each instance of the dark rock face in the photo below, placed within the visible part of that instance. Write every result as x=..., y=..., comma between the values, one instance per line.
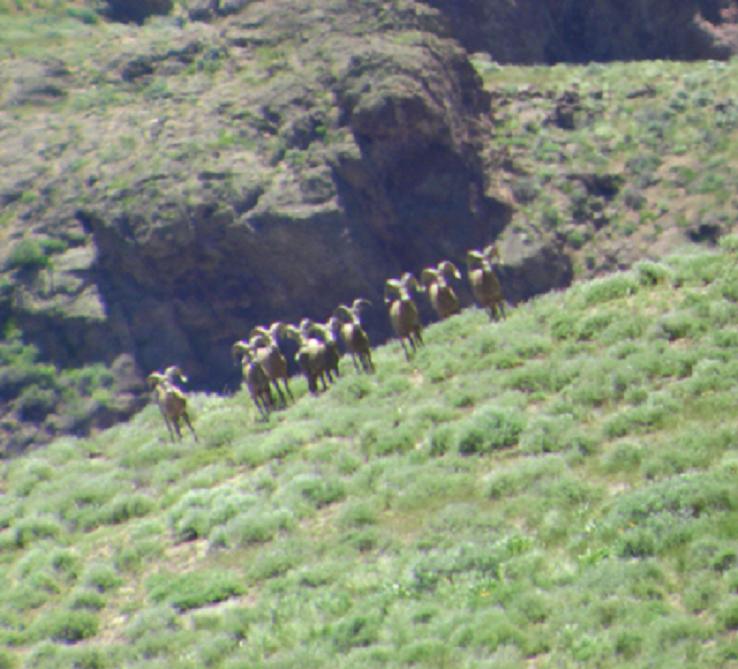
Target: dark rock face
x=549, y=31
x=402, y=185
x=137, y=11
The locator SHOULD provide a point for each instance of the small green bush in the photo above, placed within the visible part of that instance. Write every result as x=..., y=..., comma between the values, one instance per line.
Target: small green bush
x=103, y=577
x=27, y=254
x=70, y=626
x=31, y=529
x=194, y=589
x=606, y=289
x=35, y=402
x=489, y=429
x=86, y=598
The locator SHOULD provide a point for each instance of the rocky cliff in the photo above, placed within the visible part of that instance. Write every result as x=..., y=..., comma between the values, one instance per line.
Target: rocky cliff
x=167, y=186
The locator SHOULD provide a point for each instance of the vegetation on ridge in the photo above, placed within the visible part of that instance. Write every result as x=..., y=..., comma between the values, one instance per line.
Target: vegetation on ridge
x=557, y=488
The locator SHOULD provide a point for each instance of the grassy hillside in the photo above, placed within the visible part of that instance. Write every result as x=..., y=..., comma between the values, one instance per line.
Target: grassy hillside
x=619, y=161
x=554, y=490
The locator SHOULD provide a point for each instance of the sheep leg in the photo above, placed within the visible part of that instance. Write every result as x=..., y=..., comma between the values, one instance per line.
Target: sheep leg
x=356, y=364
x=170, y=429
x=287, y=388
x=404, y=348
x=175, y=422
x=282, y=398
x=188, y=422
x=260, y=405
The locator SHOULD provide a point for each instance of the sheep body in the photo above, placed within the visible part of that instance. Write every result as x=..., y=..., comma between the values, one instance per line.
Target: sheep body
x=484, y=283
x=256, y=379
x=310, y=356
x=442, y=296
x=403, y=311
x=171, y=400
x=346, y=324
x=326, y=335
x=264, y=343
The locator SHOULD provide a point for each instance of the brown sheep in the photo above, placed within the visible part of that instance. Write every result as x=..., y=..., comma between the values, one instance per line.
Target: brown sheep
x=442, y=296
x=310, y=356
x=403, y=311
x=265, y=344
x=171, y=400
x=346, y=324
x=324, y=333
x=484, y=283
x=257, y=380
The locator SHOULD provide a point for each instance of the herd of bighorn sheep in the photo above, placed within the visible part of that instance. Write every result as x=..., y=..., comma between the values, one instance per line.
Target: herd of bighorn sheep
x=264, y=366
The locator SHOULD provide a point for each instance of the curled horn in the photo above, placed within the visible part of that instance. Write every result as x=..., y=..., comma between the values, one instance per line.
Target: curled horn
x=276, y=329
x=449, y=270
x=257, y=331
x=474, y=257
x=392, y=287
x=291, y=332
x=409, y=281
x=155, y=378
x=428, y=276
x=343, y=313
x=360, y=302
x=172, y=372
x=491, y=251
x=240, y=349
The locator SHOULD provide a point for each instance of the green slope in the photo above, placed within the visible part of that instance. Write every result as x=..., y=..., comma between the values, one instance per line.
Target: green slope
x=554, y=490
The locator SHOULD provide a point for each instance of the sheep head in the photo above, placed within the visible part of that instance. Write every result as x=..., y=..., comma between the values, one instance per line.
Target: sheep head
x=306, y=324
x=241, y=349
x=259, y=331
x=291, y=332
x=172, y=373
x=429, y=276
x=334, y=323
x=343, y=314
x=393, y=290
x=358, y=304
x=409, y=282
x=260, y=341
x=448, y=270
x=155, y=378
x=474, y=256
x=276, y=329
x=491, y=251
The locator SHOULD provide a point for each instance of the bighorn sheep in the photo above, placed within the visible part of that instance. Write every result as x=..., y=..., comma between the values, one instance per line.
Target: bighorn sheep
x=325, y=334
x=311, y=356
x=403, y=311
x=442, y=296
x=346, y=323
x=171, y=400
x=256, y=378
x=483, y=279
x=265, y=344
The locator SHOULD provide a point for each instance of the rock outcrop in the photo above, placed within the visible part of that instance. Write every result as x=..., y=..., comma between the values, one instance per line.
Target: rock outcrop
x=550, y=31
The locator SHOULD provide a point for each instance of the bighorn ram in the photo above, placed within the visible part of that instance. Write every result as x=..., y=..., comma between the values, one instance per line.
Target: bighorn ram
x=255, y=377
x=265, y=344
x=403, y=311
x=346, y=323
x=442, y=296
x=325, y=334
x=311, y=356
x=171, y=400
x=485, y=285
